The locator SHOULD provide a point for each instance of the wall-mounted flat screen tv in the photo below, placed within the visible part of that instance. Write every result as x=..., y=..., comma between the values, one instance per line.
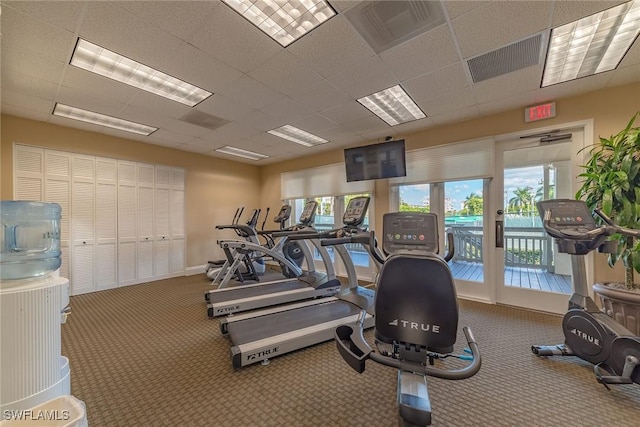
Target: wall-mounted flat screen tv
x=376, y=161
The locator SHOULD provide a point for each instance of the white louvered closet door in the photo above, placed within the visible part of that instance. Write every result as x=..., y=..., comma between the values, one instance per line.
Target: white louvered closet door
x=127, y=235
x=146, y=220
x=106, y=223
x=28, y=173
x=57, y=189
x=83, y=224
x=177, y=246
x=162, y=225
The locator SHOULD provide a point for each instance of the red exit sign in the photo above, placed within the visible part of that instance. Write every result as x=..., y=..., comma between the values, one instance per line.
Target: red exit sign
x=540, y=112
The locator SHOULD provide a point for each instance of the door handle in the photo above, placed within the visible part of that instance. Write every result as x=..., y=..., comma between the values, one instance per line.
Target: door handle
x=499, y=234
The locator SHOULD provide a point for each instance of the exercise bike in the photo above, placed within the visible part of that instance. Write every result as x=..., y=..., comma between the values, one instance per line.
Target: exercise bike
x=589, y=333
x=416, y=315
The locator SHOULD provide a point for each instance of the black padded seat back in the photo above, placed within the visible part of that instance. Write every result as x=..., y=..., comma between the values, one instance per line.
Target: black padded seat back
x=416, y=302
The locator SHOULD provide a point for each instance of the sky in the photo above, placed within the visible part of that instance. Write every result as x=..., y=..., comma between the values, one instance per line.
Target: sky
x=458, y=191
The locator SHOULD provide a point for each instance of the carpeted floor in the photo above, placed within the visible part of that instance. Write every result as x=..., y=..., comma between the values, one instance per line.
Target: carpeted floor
x=148, y=355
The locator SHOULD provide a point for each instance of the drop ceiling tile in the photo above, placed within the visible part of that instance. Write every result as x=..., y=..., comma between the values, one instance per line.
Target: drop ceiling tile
x=632, y=57
x=286, y=110
x=368, y=124
x=498, y=24
x=575, y=87
x=151, y=139
x=27, y=64
x=459, y=115
x=234, y=41
x=315, y=124
x=96, y=86
x=29, y=85
x=22, y=31
x=14, y=110
x=65, y=14
x=78, y=98
x=176, y=17
x=167, y=136
x=321, y=96
x=261, y=121
x=182, y=127
x=122, y=134
x=117, y=29
x=458, y=8
x=223, y=107
x=28, y=102
x=286, y=73
x=569, y=11
x=427, y=52
x=347, y=112
x=437, y=83
x=199, y=145
x=332, y=47
x=200, y=69
x=447, y=102
x=625, y=76
x=364, y=78
x=507, y=103
x=230, y=133
x=506, y=85
x=343, y=5
x=340, y=136
x=159, y=105
x=411, y=127
x=251, y=92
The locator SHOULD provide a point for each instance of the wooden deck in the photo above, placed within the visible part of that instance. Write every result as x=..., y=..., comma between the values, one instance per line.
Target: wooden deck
x=518, y=277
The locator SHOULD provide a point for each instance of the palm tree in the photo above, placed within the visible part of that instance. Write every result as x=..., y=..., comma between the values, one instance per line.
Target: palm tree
x=522, y=199
x=473, y=204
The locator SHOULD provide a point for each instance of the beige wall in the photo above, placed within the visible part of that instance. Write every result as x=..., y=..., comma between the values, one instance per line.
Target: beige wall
x=610, y=110
x=214, y=187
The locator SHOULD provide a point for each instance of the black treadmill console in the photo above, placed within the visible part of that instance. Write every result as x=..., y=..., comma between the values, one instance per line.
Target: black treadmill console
x=356, y=211
x=283, y=215
x=567, y=214
x=413, y=231
x=308, y=215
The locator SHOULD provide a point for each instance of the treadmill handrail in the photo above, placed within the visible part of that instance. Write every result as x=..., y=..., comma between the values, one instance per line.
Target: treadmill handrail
x=249, y=246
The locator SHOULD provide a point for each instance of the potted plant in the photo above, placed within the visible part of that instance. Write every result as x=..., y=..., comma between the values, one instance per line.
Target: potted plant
x=612, y=183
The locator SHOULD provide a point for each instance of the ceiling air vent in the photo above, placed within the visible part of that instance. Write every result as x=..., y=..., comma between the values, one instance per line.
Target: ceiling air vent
x=385, y=24
x=507, y=59
x=204, y=120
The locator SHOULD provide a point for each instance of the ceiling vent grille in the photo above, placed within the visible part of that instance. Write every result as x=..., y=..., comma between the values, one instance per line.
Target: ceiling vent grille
x=385, y=24
x=507, y=59
x=204, y=120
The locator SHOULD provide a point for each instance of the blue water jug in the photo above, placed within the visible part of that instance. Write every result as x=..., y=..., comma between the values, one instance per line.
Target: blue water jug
x=29, y=239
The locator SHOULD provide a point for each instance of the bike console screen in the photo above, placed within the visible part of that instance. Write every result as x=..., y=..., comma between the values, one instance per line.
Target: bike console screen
x=356, y=211
x=567, y=214
x=410, y=231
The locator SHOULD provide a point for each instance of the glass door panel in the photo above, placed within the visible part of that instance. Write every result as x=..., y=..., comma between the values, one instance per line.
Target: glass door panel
x=530, y=273
x=464, y=218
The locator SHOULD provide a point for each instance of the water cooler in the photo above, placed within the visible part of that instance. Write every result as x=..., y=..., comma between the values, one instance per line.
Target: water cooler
x=34, y=303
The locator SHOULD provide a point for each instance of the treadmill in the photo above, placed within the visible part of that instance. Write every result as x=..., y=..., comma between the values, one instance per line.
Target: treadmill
x=261, y=335
x=306, y=285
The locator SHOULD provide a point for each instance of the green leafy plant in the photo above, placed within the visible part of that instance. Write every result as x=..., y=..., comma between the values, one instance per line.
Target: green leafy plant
x=612, y=183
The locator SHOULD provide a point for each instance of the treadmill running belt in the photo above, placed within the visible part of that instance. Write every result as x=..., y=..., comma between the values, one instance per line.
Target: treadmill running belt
x=254, y=291
x=258, y=328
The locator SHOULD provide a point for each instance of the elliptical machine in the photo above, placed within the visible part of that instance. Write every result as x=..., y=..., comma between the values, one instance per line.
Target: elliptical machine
x=589, y=333
x=416, y=315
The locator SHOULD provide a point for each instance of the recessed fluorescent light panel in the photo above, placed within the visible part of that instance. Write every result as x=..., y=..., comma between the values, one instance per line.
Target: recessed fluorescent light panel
x=99, y=60
x=101, y=119
x=282, y=20
x=393, y=105
x=241, y=153
x=297, y=135
x=591, y=45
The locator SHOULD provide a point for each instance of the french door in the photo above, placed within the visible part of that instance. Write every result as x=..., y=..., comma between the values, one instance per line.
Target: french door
x=529, y=271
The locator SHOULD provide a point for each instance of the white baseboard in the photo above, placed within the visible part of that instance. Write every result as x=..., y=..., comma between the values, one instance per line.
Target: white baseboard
x=197, y=269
